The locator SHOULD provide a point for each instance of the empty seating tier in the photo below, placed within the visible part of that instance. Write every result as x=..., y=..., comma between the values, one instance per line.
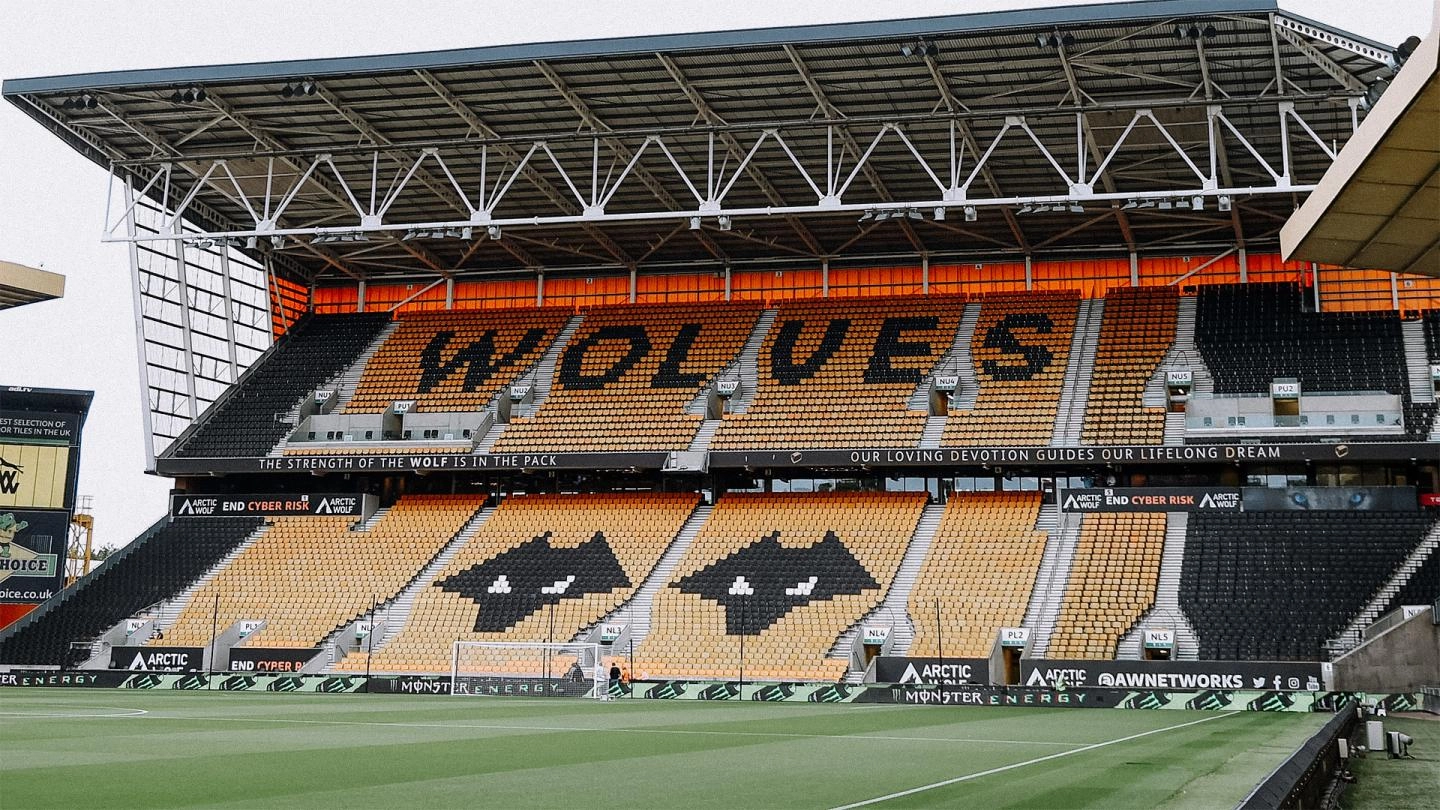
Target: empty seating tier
x=246, y=423
x=1137, y=330
x=540, y=568
x=454, y=361
x=1278, y=585
x=152, y=569
x=308, y=576
x=1423, y=587
x=788, y=574
x=838, y=373
x=1112, y=583
x=1249, y=334
x=1020, y=350
x=978, y=574
x=626, y=377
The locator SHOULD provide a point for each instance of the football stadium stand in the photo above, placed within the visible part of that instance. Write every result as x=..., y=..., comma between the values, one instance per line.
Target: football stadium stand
x=979, y=572
x=626, y=377
x=154, y=567
x=1137, y=331
x=1020, y=350
x=839, y=374
x=308, y=576
x=314, y=351
x=454, y=361
x=540, y=568
x=1112, y=583
x=787, y=574
x=1275, y=586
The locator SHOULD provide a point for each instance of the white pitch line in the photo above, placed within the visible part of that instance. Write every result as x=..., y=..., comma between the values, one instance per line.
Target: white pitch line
x=121, y=712
x=497, y=727
x=1034, y=761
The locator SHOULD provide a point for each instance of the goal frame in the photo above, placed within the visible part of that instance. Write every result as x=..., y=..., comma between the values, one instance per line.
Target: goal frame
x=539, y=685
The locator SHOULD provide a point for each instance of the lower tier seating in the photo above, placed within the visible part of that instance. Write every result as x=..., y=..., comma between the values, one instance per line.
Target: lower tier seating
x=788, y=574
x=308, y=576
x=1278, y=585
x=1423, y=588
x=1112, y=583
x=978, y=574
x=540, y=568
x=150, y=571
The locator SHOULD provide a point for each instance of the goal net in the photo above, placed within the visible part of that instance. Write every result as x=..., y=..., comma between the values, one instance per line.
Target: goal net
x=527, y=669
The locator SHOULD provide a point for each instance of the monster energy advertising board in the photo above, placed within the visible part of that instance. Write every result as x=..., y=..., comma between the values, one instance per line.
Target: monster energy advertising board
x=39, y=463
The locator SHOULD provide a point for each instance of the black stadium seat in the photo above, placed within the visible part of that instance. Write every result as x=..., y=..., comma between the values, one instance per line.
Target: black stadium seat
x=155, y=567
x=1278, y=585
x=314, y=351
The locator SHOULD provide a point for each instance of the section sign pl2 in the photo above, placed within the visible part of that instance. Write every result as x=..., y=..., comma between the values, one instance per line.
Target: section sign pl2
x=286, y=504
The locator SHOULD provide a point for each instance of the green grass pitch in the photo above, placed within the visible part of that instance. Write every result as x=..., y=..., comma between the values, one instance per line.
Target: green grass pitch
x=73, y=748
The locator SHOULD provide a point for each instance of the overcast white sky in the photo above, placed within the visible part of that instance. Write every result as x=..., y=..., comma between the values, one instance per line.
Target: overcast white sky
x=52, y=200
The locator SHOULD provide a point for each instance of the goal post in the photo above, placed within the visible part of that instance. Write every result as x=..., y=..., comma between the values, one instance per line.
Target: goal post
x=528, y=669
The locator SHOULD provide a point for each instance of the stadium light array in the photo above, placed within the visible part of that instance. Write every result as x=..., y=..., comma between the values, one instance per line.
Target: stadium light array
x=919, y=48
x=188, y=95
x=1054, y=40
x=304, y=87
x=81, y=102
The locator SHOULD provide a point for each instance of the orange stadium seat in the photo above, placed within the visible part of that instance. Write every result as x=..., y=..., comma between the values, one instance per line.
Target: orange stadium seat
x=609, y=542
x=803, y=568
x=454, y=361
x=1020, y=349
x=979, y=573
x=309, y=576
x=1112, y=583
x=1137, y=330
x=838, y=373
x=624, y=379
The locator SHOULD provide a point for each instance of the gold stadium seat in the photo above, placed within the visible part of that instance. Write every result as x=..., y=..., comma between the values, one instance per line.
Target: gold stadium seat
x=978, y=574
x=308, y=576
x=1112, y=583
x=844, y=401
x=842, y=551
x=1020, y=350
x=636, y=528
x=643, y=407
x=1137, y=330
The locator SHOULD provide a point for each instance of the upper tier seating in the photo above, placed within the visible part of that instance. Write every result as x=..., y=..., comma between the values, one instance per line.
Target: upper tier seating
x=1020, y=349
x=1278, y=585
x=624, y=379
x=584, y=554
x=838, y=373
x=148, y=571
x=317, y=349
x=308, y=576
x=1250, y=334
x=1112, y=583
x=1137, y=330
x=979, y=572
x=788, y=572
x=454, y=361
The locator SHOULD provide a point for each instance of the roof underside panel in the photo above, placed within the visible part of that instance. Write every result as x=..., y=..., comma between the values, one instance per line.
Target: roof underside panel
x=649, y=128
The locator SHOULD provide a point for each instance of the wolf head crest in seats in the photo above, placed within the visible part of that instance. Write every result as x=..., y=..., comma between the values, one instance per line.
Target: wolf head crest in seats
x=516, y=583
x=765, y=581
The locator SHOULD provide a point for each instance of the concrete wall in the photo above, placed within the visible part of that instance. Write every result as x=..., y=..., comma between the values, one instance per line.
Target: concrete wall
x=1402, y=659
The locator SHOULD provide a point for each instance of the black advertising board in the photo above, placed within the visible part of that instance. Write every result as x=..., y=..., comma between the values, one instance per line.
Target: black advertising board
x=267, y=505
x=896, y=669
x=956, y=695
x=1151, y=499
x=37, y=427
x=1173, y=675
x=1350, y=499
x=158, y=659
x=414, y=462
x=1028, y=457
x=270, y=659
x=411, y=684
x=32, y=554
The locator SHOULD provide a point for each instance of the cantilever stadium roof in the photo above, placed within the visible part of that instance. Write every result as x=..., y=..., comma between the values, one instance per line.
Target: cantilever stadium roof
x=21, y=285
x=792, y=116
